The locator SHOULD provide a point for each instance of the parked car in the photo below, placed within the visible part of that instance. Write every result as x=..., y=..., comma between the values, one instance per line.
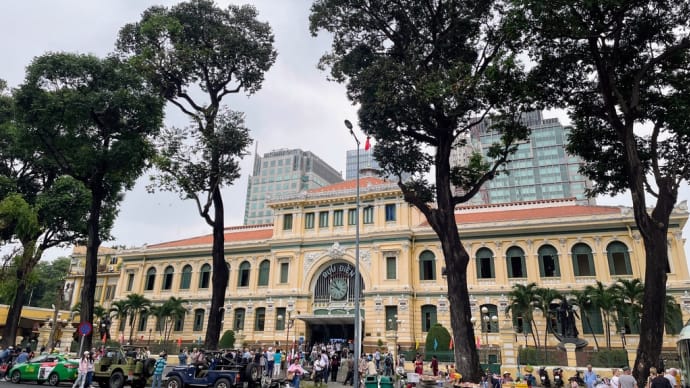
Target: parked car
x=53, y=368
x=219, y=371
x=122, y=366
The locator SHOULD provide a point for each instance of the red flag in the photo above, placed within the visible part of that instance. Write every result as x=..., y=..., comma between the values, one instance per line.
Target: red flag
x=367, y=144
x=451, y=343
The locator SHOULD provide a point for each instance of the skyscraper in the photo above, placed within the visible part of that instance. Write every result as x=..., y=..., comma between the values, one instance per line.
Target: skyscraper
x=540, y=169
x=282, y=172
x=366, y=161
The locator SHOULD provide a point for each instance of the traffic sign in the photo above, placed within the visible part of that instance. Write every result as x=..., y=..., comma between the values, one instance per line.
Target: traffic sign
x=85, y=329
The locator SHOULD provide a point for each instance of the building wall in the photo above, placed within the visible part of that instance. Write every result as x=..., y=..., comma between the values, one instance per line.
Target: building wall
x=311, y=252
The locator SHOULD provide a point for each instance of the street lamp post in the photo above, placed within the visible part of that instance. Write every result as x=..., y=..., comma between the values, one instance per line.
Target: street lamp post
x=393, y=325
x=623, y=336
x=486, y=321
x=358, y=326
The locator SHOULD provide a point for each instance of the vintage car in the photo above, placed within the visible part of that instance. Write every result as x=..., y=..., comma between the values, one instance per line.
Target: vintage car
x=122, y=366
x=53, y=368
x=219, y=371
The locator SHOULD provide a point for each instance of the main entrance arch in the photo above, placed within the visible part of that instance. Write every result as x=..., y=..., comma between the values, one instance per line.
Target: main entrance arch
x=333, y=314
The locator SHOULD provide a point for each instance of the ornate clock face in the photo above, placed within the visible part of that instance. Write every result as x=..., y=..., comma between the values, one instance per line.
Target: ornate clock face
x=338, y=289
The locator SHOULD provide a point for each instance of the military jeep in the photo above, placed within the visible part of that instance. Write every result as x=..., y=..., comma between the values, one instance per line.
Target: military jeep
x=122, y=366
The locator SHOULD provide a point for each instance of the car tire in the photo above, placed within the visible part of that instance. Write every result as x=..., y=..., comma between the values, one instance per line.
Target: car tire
x=174, y=382
x=16, y=377
x=54, y=379
x=252, y=373
x=149, y=367
x=222, y=383
x=117, y=379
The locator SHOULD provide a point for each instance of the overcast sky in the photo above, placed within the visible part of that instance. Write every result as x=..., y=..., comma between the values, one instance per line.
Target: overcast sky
x=296, y=108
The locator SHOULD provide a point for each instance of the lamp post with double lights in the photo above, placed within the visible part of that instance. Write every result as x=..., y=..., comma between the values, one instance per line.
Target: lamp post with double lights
x=358, y=326
x=393, y=324
x=289, y=322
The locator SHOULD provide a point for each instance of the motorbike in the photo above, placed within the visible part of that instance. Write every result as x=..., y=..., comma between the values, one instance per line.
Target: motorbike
x=544, y=377
x=577, y=377
x=558, y=377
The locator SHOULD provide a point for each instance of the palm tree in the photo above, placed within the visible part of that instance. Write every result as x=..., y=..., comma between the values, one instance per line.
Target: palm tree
x=606, y=299
x=175, y=310
x=546, y=296
x=583, y=300
x=674, y=315
x=630, y=293
x=118, y=310
x=522, y=301
x=137, y=305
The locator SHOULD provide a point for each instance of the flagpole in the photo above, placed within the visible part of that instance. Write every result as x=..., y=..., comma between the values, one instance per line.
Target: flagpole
x=358, y=324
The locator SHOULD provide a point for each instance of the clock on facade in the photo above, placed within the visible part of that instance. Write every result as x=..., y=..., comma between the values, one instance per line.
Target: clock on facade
x=338, y=288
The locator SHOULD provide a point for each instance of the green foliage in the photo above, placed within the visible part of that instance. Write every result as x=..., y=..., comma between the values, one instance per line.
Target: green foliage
x=609, y=358
x=438, y=335
x=193, y=45
x=227, y=341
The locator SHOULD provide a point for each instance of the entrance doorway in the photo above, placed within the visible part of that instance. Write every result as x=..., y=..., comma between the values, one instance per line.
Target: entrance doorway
x=324, y=333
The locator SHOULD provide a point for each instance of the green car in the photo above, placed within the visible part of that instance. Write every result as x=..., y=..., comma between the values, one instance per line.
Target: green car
x=52, y=368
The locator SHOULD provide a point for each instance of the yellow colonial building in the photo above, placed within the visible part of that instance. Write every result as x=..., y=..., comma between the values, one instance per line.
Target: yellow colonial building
x=293, y=281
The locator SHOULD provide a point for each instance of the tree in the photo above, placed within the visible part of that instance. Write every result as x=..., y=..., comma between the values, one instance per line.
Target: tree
x=629, y=292
x=118, y=310
x=92, y=119
x=424, y=74
x=137, y=305
x=200, y=46
x=521, y=303
x=167, y=314
x=584, y=301
x=545, y=297
x=606, y=299
x=621, y=68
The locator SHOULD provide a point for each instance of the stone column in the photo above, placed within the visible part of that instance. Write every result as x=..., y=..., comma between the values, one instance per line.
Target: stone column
x=632, y=355
x=572, y=357
x=44, y=335
x=508, y=346
x=66, y=337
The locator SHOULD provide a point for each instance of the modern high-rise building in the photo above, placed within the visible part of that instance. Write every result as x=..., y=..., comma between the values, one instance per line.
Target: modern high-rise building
x=281, y=172
x=541, y=169
x=366, y=162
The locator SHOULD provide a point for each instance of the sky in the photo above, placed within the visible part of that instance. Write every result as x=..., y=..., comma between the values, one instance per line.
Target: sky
x=297, y=106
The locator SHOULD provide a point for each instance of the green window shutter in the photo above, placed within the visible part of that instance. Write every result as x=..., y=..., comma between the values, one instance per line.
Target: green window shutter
x=186, y=278
x=493, y=270
x=391, y=270
x=284, y=267
x=509, y=266
x=264, y=271
x=478, y=264
x=556, y=261
x=576, y=268
x=542, y=272
x=593, y=271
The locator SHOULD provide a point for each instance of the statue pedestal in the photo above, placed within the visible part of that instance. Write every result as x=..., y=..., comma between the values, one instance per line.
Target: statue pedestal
x=44, y=335
x=570, y=352
x=66, y=337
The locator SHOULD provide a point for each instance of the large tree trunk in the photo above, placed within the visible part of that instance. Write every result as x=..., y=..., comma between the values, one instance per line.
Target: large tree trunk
x=9, y=333
x=220, y=274
x=654, y=234
x=90, y=269
x=456, y=259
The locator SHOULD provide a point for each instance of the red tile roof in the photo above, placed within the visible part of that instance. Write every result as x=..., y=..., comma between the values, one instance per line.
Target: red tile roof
x=351, y=184
x=232, y=234
x=471, y=217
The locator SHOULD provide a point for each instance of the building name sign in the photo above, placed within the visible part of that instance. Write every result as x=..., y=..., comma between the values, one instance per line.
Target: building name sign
x=338, y=269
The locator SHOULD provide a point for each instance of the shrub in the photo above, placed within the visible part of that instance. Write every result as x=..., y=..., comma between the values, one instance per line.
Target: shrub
x=437, y=339
x=227, y=341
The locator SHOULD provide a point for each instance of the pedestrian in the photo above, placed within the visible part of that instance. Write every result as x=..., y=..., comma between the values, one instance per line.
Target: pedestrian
x=295, y=373
x=350, y=368
x=182, y=356
x=590, y=377
x=434, y=365
x=319, y=367
x=270, y=361
x=335, y=364
x=158, y=370
x=82, y=370
x=89, y=370
x=626, y=380
x=419, y=364
x=277, y=356
x=656, y=380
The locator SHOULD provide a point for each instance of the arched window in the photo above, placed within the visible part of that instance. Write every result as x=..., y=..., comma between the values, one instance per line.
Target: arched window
x=515, y=260
x=264, y=269
x=186, y=278
x=427, y=266
x=168, y=277
x=583, y=260
x=485, y=264
x=591, y=320
x=548, y=262
x=150, y=279
x=619, y=259
x=143, y=321
x=243, y=275
x=489, y=324
x=199, y=319
x=259, y=319
x=238, y=321
x=205, y=276
x=428, y=316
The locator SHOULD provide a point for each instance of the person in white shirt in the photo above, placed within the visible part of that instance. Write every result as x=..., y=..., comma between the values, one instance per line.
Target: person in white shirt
x=615, y=378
